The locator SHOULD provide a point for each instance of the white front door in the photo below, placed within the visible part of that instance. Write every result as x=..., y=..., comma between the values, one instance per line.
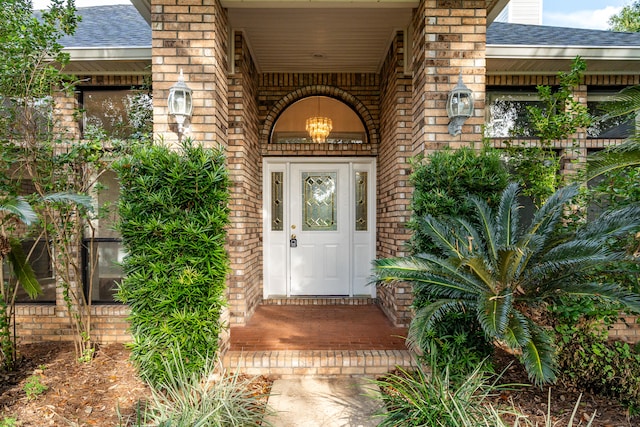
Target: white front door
x=319, y=227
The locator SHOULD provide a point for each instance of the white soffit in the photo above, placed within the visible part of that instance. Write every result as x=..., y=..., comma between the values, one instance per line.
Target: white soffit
x=515, y=59
x=315, y=3
x=109, y=61
x=115, y=53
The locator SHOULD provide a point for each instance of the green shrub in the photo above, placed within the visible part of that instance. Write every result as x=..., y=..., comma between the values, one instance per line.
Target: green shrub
x=587, y=359
x=508, y=275
x=173, y=213
x=557, y=116
x=443, y=181
x=609, y=368
x=616, y=189
x=458, y=345
x=8, y=422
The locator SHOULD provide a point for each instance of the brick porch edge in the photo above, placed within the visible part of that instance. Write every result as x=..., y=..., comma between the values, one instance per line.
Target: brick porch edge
x=293, y=363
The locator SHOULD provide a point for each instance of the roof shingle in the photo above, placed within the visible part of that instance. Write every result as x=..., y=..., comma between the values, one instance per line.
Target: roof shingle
x=109, y=26
x=502, y=33
x=122, y=26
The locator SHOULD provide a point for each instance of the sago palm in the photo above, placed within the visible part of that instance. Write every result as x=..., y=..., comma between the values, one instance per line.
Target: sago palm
x=506, y=272
x=13, y=209
x=17, y=208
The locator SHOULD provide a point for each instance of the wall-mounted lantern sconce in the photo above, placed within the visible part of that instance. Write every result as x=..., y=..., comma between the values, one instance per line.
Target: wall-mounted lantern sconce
x=180, y=103
x=459, y=106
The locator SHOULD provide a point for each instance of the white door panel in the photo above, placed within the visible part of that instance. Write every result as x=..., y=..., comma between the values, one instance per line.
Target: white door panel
x=328, y=207
x=320, y=224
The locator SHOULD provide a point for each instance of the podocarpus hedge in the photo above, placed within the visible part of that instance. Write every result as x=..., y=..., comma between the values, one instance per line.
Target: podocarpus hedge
x=173, y=213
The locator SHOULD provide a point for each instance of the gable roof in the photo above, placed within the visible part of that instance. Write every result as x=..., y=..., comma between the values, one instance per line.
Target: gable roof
x=116, y=39
x=503, y=33
x=537, y=49
x=109, y=26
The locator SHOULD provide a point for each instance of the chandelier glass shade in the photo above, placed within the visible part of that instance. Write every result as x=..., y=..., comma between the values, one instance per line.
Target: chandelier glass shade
x=319, y=128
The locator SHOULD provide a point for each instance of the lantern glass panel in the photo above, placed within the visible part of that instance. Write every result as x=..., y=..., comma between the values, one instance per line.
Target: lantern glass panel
x=180, y=102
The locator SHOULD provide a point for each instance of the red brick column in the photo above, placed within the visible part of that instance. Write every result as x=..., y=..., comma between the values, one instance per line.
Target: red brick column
x=394, y=189
x=449, y=39
x=245, y=169
x=191, y=36
x=65, y=106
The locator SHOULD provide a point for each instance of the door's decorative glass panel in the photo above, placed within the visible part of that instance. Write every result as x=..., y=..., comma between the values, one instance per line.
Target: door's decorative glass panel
x=319, y=207
x=277, y=201
x=361, y=201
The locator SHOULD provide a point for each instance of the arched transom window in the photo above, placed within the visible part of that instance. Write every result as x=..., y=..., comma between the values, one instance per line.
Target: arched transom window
x=318, y=119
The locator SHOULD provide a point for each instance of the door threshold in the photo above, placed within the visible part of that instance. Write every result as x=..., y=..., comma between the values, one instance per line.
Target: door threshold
x=319, y=300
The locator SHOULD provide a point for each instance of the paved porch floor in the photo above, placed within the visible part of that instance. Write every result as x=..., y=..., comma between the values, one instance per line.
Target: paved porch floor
x=318, y=327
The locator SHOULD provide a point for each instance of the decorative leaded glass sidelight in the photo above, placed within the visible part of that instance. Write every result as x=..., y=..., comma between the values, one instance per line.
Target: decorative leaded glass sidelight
x=277, y=201
x=319, y=204
x=361, y=201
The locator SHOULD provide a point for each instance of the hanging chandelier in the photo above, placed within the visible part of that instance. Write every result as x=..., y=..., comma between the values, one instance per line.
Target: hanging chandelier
x=319, y=128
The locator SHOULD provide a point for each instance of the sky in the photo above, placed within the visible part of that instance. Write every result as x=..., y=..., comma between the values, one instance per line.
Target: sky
x=592, y=14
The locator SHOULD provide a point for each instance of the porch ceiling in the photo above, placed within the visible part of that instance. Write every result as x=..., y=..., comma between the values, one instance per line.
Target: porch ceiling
x=319, y=40
x=307, y=36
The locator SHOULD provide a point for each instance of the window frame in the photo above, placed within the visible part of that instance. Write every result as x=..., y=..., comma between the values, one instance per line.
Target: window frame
x=604, y=94
x=83, y=90
x=87, y=268
x=524, y=94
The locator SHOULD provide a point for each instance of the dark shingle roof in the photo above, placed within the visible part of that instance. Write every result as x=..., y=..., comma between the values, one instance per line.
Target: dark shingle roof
x=502, y=33
x=122, y=26
x=110, y=26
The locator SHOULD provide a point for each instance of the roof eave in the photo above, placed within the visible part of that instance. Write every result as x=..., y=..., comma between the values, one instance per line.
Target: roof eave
x=563, y=52
x=547, y=60
x=120, y=53
x=144, y=9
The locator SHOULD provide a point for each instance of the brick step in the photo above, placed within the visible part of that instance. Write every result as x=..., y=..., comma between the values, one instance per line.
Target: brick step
x=319, y=301
x=294, y=363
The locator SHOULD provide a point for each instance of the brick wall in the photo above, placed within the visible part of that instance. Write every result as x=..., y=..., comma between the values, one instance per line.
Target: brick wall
x=191, y=36
x=394, y=190
x=245, y=169
x=626, y=329
x=40, y=322
x=449, y=39
x=65, y=105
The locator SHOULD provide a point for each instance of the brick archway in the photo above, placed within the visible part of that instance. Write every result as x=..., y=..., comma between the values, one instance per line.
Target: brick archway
x=320, y=90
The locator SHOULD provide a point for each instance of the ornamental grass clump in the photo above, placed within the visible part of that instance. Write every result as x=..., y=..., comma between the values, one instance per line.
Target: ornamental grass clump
x=173, y=213
x=433, y=398
x=211, y=397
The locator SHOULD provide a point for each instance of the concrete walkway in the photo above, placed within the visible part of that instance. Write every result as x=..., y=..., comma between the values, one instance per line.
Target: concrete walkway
x=323, y=402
